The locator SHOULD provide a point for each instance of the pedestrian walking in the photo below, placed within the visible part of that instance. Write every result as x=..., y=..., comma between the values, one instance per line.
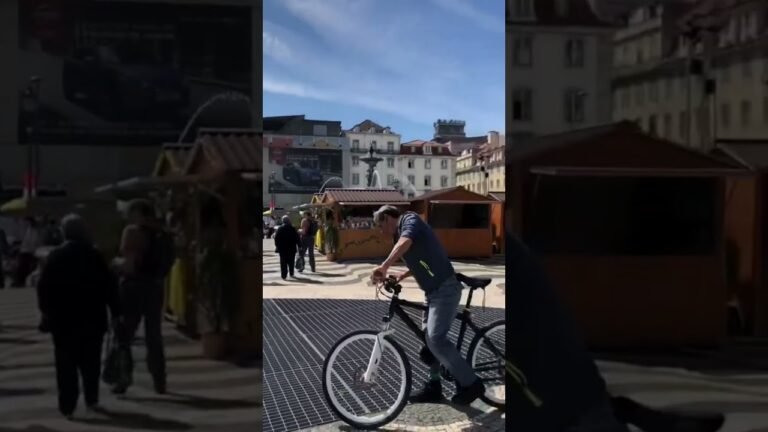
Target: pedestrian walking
x=75, y=292
x=27, y=259
x=287, y=243
x=308, y=231
x=147, y=255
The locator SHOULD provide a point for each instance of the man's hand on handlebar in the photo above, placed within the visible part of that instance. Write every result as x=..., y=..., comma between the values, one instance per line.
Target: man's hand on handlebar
x=379, y=274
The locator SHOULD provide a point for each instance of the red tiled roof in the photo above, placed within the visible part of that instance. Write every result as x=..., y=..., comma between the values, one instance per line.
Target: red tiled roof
x=365, y=196
x=366, y=125
x=233, y=151
x=416, y=147
x=439, y=192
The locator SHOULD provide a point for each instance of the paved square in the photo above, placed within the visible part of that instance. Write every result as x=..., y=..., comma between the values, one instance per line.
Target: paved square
x=203, y=395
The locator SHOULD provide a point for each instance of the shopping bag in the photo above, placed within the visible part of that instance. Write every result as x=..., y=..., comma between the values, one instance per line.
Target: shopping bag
x=299, y=263
x=117, y=364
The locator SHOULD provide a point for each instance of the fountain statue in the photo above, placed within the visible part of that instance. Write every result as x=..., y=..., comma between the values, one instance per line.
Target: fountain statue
x=372, y=160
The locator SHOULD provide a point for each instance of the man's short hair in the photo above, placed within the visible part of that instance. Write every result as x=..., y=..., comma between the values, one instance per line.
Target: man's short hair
x=386, y=210
x=142, y=207
x=286, y=219
x=73, y=228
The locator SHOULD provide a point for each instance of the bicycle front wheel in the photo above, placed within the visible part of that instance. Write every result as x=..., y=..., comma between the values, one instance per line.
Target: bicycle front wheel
x=486, y=355
x=366, y=405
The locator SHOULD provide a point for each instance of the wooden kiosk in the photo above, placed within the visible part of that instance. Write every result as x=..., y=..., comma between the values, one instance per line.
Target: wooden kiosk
x=460, y=218
x=217, y=195
x=348, y=214
x=630, y=229
x=498, y=229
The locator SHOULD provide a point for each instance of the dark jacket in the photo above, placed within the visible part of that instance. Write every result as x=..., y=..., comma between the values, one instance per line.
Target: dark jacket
x=287, y=240
x=76, y=289
x=544, y=345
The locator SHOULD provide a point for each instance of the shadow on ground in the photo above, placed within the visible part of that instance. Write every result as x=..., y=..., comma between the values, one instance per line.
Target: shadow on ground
x=132, y=420
x=196, y=402
x=15, y=392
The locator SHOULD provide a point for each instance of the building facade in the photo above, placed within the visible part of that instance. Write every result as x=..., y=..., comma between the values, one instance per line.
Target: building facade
x=474, y=163
x=301, y=157
x=425, y=166
x=51, y=40
x=558, y=67
x=695, y=72
x=385, y=143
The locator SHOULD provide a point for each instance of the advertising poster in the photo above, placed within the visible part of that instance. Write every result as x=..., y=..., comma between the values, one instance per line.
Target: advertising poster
x=111, y=72
x=296, y=168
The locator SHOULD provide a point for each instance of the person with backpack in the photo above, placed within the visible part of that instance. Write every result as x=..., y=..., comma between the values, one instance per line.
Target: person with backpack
x=307, y=233
x=147, y=255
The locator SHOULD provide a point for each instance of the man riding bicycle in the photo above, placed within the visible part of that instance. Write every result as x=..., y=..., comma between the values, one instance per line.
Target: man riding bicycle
x=428, y=263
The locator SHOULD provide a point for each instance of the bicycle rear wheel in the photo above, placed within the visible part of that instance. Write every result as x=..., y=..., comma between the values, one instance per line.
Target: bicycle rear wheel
x=486, y=355
x=366, y=405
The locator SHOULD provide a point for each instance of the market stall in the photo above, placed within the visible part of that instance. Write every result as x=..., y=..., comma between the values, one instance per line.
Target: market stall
x=216, y=202
x=497, y=221
x=347, y=219
x=461, y=220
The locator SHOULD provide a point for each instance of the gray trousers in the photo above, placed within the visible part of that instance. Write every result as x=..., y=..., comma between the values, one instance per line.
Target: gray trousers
x=308, y=247
x=144, y=300
x=442, y=305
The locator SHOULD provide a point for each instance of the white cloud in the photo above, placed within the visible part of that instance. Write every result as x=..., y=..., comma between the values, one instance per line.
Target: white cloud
x=466, y=9
x=275, y=47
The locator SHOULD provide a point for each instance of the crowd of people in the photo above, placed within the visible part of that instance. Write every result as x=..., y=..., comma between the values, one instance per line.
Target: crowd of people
x=83, y=296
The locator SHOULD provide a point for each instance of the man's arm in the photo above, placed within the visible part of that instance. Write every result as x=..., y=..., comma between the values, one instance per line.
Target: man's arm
x=130, y=249
x=305, y=226
x=401, y=247
x=405, y=275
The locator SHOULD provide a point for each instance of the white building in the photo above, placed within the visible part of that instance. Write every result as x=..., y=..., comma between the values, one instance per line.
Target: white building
x=425, y=166
x=558, y=67
x=694, y=87
x=362, y=138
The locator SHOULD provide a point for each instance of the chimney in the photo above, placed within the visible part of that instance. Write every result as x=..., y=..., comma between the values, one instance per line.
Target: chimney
x=493, y=139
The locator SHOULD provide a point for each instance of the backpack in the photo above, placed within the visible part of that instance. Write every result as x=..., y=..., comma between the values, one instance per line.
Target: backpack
x=160, y=255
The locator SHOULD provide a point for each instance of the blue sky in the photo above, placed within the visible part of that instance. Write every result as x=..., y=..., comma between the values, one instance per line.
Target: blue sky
x=400, y=63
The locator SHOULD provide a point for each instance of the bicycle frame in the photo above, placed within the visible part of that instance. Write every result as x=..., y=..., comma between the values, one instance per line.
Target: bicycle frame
x=397, y=307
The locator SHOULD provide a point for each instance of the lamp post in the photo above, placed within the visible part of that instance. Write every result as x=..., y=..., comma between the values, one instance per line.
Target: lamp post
x=31, y=106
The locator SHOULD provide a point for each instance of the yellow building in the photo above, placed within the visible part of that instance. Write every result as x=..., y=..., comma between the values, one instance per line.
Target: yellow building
x=481, y=169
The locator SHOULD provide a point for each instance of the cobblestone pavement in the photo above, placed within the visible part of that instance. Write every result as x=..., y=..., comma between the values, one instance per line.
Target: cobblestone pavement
x=203, y=395
x=304, y=316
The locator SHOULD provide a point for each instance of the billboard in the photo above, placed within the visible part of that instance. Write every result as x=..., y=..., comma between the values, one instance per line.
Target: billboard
x=112, y=72
x=302, y=165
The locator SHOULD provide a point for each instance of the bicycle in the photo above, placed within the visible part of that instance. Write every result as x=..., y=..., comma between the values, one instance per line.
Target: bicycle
x=364, y=366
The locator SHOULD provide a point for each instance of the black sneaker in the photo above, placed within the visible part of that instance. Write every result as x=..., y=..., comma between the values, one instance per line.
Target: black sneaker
x=431, y=393
x=467, y=395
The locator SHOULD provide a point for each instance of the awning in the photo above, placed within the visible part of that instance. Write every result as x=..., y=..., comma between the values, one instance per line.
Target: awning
x=638, y=172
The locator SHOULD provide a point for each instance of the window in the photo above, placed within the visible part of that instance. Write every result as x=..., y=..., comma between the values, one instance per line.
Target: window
x=653, y=91
x=373, y=144
x=355, y=161
x=669, y=86
x=639, y=95
x=427, y=163
x=355, y=179
x=411, y=179
x=427, y=149
x=652, y=127
x=725, y=116
x=574, y=106
x=464, y=216
x=746, y=113
x=668, y=126
x=356, y=144
x=411, y=163
x=522, y=8
x=683, y=125
x=443, y=181
x=391, y=146
x=522, y=50
x=626, y=97
x=444, y=164
x=427, y=181
x=390, y=179
x=390, y=162
x=574, y=53
x=522, y=101
x=319, y=130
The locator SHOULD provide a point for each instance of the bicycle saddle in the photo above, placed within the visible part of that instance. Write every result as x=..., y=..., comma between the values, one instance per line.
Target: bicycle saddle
x=473, y=283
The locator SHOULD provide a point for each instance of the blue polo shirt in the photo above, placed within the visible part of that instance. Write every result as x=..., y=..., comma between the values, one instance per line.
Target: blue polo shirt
x=426, y=258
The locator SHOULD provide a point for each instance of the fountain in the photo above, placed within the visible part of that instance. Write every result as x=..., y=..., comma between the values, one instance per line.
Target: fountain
x=329, y=179
x=398, y=183
x=230, y=96
x=372, y=160
x=378, y=179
